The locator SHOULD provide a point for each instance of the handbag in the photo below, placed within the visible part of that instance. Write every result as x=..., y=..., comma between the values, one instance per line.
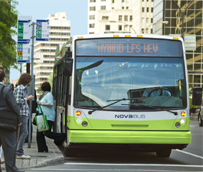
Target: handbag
x=41, y=120
x=34, y=121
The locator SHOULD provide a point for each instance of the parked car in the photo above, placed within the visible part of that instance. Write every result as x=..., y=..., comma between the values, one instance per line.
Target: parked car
x=196, y=103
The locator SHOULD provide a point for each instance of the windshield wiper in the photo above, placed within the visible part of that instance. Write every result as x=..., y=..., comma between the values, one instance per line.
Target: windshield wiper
x=115, y=101
x=157, y=107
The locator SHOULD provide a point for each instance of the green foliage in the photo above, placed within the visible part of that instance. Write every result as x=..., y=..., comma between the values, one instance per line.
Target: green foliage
x=8, y=23
x=57, y=53
x=190, y=101
x=62, y=49
x=190, y=90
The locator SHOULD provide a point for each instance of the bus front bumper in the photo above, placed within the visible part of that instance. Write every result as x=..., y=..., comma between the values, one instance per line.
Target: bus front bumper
x=129, y=137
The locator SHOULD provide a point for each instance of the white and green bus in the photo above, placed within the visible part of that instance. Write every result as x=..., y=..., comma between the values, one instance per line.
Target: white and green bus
x=123, y=90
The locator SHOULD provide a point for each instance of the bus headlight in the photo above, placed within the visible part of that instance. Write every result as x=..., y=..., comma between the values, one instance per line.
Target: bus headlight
x=182, y=121
x=177, y=124
x=79, y=120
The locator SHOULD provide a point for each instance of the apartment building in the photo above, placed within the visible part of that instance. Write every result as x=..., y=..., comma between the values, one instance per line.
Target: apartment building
x=44, y=51
x=120, y=15
x=191, y=23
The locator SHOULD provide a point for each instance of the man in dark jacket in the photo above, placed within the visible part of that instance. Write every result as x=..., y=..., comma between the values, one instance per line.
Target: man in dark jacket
x=9, y=120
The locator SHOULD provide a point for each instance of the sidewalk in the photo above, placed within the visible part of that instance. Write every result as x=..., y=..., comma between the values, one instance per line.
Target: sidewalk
x=39, y=159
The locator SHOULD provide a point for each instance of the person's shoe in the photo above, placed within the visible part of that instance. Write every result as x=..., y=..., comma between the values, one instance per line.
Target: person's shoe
x=22, y=156
x=43, y=150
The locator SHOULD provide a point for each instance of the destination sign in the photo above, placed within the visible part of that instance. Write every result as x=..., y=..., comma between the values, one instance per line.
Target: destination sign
x=129, y=47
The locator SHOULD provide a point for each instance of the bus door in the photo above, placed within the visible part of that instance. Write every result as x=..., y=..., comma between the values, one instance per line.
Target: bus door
x=67, y=73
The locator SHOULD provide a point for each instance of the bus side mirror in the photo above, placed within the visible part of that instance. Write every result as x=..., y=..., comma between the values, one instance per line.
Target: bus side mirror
x=68, y=66
x=68, y=54
x=197, y=96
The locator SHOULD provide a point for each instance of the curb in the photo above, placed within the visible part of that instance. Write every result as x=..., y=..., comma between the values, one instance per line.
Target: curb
x=33, y=163
x=37, y=159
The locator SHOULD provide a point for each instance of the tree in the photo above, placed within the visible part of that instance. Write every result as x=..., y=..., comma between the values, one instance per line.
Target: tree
x=8, y=23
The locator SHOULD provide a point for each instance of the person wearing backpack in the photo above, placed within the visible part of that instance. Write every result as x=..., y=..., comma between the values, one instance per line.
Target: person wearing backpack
x=9, y=120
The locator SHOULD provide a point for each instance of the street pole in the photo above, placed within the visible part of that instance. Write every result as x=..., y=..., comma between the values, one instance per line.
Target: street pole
x=28, y=67
x=31, y=88
x=164, y=12
x=21, y=68
x=182, y=16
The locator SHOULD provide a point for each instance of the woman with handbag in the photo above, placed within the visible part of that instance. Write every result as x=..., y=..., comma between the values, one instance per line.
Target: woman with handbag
x=47, y=106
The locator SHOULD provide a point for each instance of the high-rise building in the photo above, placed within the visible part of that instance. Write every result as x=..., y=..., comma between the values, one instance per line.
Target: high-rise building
x=120, y=15
x=188, y=24
x=44, y=51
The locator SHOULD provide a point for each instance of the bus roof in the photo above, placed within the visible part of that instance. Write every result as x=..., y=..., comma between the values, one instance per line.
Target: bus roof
x=120, y=35
x=126, y=35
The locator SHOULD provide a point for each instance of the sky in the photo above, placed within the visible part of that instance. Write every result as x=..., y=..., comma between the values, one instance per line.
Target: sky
x=76, y=11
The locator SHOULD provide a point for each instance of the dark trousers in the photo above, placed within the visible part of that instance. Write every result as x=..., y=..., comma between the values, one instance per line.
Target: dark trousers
x=9, y=142
x=41, y=142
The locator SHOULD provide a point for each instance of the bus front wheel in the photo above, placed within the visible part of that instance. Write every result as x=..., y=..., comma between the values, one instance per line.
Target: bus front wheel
x=164, y=153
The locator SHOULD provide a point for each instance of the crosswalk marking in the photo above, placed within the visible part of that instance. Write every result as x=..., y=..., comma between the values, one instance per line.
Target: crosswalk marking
x=197, y=156
x=128, y=164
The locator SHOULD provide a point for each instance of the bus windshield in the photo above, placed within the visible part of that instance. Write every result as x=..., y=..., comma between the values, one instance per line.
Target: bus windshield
x=146, y=72
x=146, y=81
